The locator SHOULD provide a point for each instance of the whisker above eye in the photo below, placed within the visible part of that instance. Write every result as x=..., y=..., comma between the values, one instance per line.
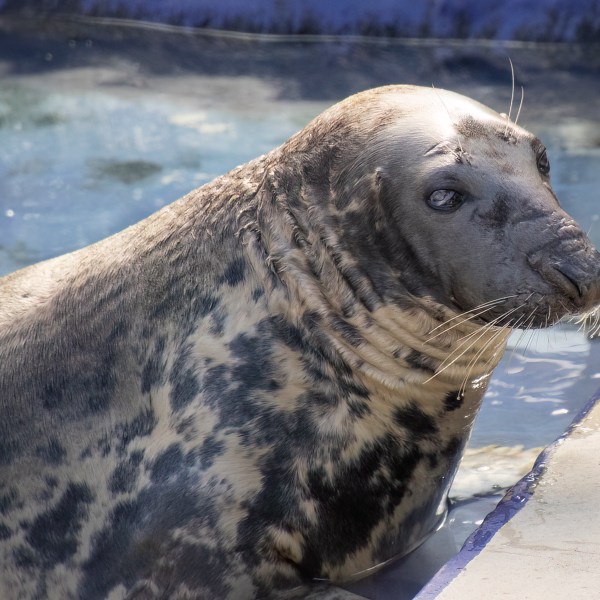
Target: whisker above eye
x=520, y=105
x=512, y=96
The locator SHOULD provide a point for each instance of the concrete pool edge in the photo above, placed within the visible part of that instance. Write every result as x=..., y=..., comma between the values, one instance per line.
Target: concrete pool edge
x=508, y=508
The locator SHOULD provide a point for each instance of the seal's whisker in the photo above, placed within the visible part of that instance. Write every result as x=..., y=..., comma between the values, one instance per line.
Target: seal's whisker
x=528, y=325
x=448, y=113
x=489, y=304
x=473, y=316
x=461, y=341
x=596, y=327
x=487, y=327
x=478, y=333
x=516, y=345
x=516, y=324
x=476, y=358
x=512, y=96
x=520, y=320
x=520, y=105
x=492, y=323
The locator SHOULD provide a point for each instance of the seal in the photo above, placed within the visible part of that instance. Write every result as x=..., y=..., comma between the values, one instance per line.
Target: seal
x=272, y=380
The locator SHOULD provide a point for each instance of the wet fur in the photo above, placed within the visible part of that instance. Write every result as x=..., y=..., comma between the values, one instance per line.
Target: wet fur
x=261, y=384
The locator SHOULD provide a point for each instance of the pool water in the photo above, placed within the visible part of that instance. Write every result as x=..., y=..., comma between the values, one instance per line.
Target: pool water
x=101, y=126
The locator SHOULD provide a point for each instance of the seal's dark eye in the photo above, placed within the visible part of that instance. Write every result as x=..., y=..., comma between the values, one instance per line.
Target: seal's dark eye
x=543, y=164
x=447, y=200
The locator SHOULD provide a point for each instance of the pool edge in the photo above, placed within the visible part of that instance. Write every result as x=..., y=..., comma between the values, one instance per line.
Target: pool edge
x=513, y=501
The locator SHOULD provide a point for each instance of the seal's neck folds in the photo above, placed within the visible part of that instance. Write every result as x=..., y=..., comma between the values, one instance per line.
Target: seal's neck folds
x=403, y=342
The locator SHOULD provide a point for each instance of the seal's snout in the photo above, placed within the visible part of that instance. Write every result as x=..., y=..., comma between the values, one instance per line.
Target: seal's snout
x=584, y=284
x=576, y=277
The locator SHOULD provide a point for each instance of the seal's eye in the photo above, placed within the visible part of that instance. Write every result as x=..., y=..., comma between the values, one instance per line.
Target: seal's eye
x=543, y=164
x=447, y=200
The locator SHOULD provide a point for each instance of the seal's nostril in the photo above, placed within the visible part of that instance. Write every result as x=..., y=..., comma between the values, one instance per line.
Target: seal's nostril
x=581, y=282
x=573, y=283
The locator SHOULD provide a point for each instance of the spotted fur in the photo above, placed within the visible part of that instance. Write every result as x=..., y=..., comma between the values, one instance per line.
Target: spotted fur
x=251, y=388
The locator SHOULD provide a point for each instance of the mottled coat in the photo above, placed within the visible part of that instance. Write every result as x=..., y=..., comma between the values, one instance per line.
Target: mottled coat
x=237, y=394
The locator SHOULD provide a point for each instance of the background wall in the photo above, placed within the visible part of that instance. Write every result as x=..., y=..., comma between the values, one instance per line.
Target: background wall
x=531, y=20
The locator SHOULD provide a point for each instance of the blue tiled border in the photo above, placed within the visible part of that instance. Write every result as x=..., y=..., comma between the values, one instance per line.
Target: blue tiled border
x=514, y=500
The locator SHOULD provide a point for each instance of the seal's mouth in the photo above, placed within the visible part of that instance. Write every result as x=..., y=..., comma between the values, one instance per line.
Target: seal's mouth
x=536, y=310
x=520, y=311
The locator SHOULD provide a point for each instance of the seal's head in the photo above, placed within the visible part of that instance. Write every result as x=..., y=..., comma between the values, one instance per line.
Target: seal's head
x=460, y=207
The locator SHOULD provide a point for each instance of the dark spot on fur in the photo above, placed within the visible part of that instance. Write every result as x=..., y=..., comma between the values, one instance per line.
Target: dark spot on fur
x=254, y=368
x=358, y=408
x=233, y=391
x=140, y=426
x=125, y=475
x=51, y=482
x=505, y=135
x=469, y=127
x=318, y=350
x=321, y=398
x=217, y=323
x=184, y=390
x=350, y=504
x=153, y=371
x=183, y=379
x=211, y=578
x=8, y=451
x=53, y=534
x=53, y=453
x=454, y=447
x=235, y=272
x=105, y=445
x=210, y=449
x=203, y=305
x=9, y=501
x=110, y=561
x=348, y=332
x=433, y=460
x=185, y=427
x=167, y=465
x=177, y=296
x=24, y=557
x=498, y=216
x=5, y=531
x=419, y=361
x=288, y=334
x=418, y=423
x=453, y=400
x=138, y=539
x=257, y=294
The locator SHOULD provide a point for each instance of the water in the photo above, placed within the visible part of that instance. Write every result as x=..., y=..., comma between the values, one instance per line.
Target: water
x=100, y=127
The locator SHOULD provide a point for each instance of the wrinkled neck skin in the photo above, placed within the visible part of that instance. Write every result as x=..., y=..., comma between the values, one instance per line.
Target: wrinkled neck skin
x=399, y=339
x=412, y=370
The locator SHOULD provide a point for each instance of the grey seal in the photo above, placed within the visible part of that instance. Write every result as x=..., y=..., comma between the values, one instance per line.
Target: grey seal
x=272, y=380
